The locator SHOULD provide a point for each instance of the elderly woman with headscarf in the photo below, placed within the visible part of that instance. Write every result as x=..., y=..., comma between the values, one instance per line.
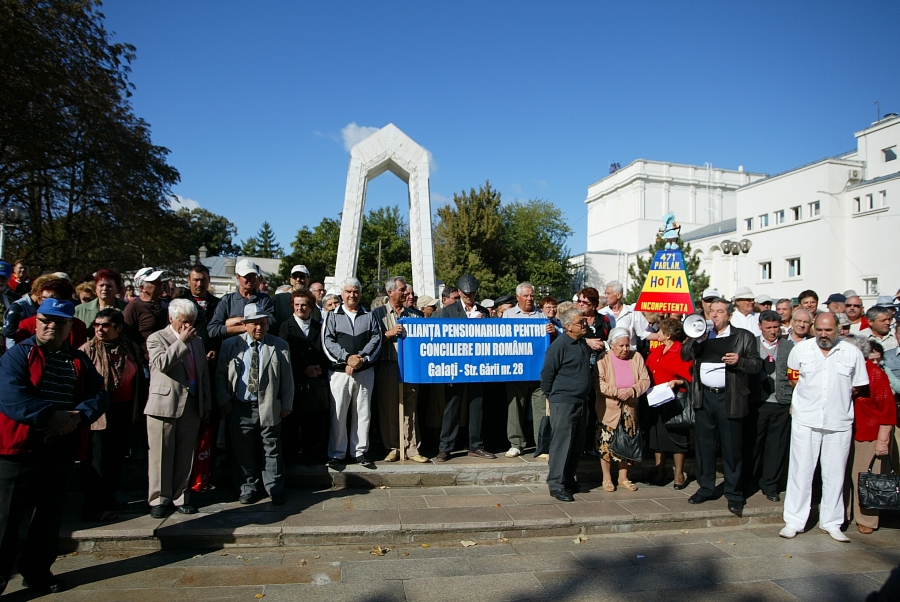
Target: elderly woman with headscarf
x=621, y=379
x=874, y=418
x=120, y=363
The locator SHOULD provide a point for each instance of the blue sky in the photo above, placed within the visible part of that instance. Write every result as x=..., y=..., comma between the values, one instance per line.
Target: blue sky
x=257, y=100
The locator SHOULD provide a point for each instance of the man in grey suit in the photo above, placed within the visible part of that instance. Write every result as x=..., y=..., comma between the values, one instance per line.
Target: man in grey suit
x=255, y=387
x=179, y=400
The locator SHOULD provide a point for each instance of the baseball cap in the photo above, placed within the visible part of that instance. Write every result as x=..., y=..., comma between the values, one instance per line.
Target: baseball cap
x=252, y=311
x=744, y=293
x=426, y=301
x=5, y=269
x=245, y=267
x=148, y=275
x=836, y=298
x=488, y=303
x=58, y=308
x=711, y=293
x=299, y=268
x=764, y=298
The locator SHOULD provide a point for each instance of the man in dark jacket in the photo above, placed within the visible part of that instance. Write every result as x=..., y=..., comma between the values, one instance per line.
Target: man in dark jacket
x=566, y=377
x=724, y=359
x=306, y=427
x=466, y=307
x=352, y=341
x=51, y=393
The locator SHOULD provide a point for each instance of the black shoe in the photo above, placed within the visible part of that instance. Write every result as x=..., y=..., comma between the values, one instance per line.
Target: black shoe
x=334, y=462
x=54, y=585
x=736, y=508
x=442, y=456
x=481, y=453
x=562, y=495
x=698, y=498
x=158, y=511
x=365, y=461
x=573, y=487
x=679, y=486
x=247, y=498
x=277, y=499
x=773, y=497
x=185, y=509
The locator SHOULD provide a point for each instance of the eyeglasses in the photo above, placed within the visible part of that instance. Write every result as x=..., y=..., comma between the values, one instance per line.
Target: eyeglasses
x=852, y=305
x=103, y=325
x=581, y=323
x=583, y=302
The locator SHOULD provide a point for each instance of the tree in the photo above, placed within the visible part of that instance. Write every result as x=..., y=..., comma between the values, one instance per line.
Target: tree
x=638, y=272
x=534, y=240
x=316, y=249
x=263, y=244
x=384, y=224
x=72, y=153
x=215, y=232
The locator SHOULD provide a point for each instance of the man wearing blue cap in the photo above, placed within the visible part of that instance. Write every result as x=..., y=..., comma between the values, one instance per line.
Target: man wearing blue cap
x=51, y=392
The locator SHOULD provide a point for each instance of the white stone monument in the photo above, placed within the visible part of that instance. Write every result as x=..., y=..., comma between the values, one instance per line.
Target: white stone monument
x=388, y=149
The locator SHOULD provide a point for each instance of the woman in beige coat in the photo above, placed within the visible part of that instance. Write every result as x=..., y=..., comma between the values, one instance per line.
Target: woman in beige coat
x=621, y=380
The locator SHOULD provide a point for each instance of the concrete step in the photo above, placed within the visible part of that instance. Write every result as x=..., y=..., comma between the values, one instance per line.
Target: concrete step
x=409, y=515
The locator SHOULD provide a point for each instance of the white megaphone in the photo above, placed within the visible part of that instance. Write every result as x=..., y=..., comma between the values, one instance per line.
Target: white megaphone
x=695, y=326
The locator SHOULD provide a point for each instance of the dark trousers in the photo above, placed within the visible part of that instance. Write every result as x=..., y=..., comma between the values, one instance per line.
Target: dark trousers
x=568, y=426
x=773, y=436
x=37, y=479
x=713, y=426
x=246, y=435
x=306, y=428
x=450, y=427
x=106, y=455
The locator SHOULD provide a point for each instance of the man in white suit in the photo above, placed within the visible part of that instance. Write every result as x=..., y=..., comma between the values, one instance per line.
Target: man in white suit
x=255, y=387
x=179, y=400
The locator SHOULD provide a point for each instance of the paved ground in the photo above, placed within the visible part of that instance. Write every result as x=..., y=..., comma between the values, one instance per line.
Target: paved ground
x=729, y=563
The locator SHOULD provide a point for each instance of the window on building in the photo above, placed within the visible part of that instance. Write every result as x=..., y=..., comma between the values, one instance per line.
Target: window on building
x=814, y=208
x=856, y=205
x=748, y=223
x=765, y=270
x=779, y=217
x=764, y=221
x=793, y=267
x=871, y=286
x=890, y=154
x=796, y=213
x=870, y=202
x=883, y=195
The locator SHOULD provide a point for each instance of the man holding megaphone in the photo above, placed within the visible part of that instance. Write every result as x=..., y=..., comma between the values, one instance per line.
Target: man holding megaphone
x=724, y=358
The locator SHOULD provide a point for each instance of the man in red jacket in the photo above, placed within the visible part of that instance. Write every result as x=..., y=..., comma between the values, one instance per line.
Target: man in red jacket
x=50, y=393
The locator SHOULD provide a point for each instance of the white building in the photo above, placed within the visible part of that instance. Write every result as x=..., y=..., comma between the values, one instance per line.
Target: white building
x=826, y=226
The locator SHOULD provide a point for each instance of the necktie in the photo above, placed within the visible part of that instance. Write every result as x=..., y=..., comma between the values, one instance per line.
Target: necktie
x=253, y=384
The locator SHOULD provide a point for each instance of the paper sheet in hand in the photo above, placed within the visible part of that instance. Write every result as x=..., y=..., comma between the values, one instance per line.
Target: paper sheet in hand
x=659, y=395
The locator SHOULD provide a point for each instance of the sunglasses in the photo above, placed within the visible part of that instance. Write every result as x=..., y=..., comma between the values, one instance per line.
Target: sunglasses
x=103, y=325
x=852, y=305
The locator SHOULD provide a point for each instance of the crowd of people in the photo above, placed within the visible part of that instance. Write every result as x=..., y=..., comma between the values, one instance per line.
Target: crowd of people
x=91, y=370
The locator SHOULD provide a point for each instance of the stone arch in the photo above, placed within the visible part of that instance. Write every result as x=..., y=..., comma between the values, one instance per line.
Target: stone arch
x=389, y=149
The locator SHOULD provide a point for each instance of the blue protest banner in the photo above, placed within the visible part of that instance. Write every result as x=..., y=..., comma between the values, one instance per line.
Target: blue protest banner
x=467, y=351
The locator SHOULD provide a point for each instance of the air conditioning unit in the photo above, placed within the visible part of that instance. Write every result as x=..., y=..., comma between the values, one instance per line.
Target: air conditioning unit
x=855, y=174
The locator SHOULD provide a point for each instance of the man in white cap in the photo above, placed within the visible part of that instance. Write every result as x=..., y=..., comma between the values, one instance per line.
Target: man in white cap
x=706, y=300
x=763, y=303
x=255, y=388
x=283, y=308
x=228, y=321
x=744, y=316
x=145, y=315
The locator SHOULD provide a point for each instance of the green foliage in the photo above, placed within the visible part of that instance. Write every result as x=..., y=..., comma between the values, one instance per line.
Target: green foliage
x=213, y=231
x=638, y=273
x=316, y=249
x=263, y=244
x=387, y=225
x=502, y=245
x=72, y=153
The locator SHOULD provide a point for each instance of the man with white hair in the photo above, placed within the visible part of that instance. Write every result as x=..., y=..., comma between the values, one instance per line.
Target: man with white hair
x=519, y=393
x=826, y=372
x=145, y=315
x=352, y=338
x=622, y=315
x=228, y=321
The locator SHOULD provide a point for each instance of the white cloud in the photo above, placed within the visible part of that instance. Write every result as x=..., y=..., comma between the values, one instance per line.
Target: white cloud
x=517, y=188
x=179, y=202
x=438, y=200
x=354, y=134
x=537, y=182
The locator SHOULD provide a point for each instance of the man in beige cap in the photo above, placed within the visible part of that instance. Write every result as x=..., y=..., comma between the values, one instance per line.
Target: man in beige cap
x=744, y=316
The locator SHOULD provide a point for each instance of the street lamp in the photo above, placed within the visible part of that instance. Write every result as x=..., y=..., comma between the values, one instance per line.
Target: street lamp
x=543, y=290
x=736, y=248
x=9, y=216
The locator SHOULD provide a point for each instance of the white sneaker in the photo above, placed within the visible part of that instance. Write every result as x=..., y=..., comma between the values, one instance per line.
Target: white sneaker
x=836, y=535
x=513, y=452
x=787, y=533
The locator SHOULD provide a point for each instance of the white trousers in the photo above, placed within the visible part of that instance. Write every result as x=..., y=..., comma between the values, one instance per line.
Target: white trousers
x=350, y=394
x=830, y=449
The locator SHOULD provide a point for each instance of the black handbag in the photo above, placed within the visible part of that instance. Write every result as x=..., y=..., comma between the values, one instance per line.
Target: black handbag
x=879, y=491
x=625, y=446
x=678, y=413
x=543, y=442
